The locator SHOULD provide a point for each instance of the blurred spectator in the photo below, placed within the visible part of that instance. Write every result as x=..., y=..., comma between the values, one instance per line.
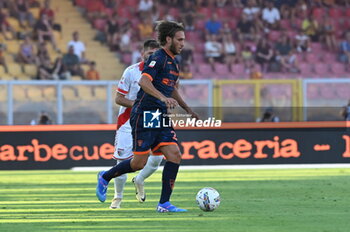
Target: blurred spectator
x=26, y=52
x=185, y=72
x=21, y=10
x=301, y=9
x=125, y=38
x=92, y=73
x=78, y=46
x=221, y=3
x=2, y=58
x=71, y=63
x=50, y=15
x=42, y=54
x=248, y=59
x=136, y=54
x=145, y=28
x=188, y=15
x=283, y=46
x=255, y=74
x=311, y=28
x=186, y=55
x=271, y=16
x=345, y=49
x=328, y=34
x=236, y=3
x=230, y=51
x=111, y=4
x=112, y=32
x=289, y=63
x=213, y=50
x=213, y=25
x=268, y=116
x=263, y=54
x=44, y=31
x=46, y=71
x=145, y=6
x=252, y=11
x=345, y=112
x=302, y=42
x=245, y=29
x=43, y=119
x=5, y=26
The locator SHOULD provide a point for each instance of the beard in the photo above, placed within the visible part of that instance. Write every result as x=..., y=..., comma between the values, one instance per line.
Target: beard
x=173, y=49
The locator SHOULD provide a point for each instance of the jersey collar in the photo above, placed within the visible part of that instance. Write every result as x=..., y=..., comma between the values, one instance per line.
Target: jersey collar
x=169, y=53
x=141, y=65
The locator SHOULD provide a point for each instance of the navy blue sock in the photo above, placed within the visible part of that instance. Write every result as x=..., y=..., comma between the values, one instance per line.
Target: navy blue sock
x=169, y=176
x=117, y=170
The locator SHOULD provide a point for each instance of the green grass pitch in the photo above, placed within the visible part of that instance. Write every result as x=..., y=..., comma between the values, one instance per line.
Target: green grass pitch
x=310, y=200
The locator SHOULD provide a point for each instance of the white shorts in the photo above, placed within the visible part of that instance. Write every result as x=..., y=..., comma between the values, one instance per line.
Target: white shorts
x=123, y=146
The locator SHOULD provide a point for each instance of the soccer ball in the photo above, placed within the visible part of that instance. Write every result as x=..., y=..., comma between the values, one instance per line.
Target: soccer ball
x=208, y=199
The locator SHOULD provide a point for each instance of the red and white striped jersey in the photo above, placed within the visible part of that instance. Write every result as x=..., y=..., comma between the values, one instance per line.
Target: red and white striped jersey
x=128, y=86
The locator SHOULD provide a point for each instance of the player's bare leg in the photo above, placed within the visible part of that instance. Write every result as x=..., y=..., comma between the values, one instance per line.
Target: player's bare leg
x=171, y=167
x=150, y=167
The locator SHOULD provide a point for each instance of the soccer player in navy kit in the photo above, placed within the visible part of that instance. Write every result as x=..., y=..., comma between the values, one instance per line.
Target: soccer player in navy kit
x=158, y=94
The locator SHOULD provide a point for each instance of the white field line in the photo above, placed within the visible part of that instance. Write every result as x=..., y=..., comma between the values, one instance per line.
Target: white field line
x=241, y=167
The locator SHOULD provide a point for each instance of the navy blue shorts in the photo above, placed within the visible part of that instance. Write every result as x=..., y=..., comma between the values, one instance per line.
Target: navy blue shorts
x=146, y=140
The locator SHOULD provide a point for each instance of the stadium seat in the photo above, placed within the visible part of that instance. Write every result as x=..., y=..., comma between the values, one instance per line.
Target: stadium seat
x=12, y=47
x=347, y=12
x=35, y=94
x=274, y=35
x=20, y=93
x=221, y=71
x=30, y=70
x=50, y=93
x=312, y=92
x=318, y=13
x=3, y=93
x=205, y=11
x=321, y=69
x=85, y=93
x=100, y=24
x=69, y=94
x=100, y=93
x=198, y=57
x=285, y=24
x=175, y=12
x=338, y=69
x=94, y=6
x=222, y=13
x=335, y=12
x=81, y=3
x=306, y=69
x=15, y=70
x=343, y=92
x=200, y=25
x=76, y=78
x=205, y=70
x=312, y=57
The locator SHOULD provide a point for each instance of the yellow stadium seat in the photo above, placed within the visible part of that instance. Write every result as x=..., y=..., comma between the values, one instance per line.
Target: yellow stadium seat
x=101, y=93
x=31, y=70
x=50, y=93
x=13, y=47
x=20, y=93
x=3, y=75
x=85, y=93
x=24, y=77
x=3, y=93
x=16, y=71
x=35, y=12
x=14, y=23
x=69, y=94
x=76, y=78
x=35, y=94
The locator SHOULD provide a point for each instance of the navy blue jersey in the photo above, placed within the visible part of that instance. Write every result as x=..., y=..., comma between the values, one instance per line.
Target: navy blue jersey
x=162, y=69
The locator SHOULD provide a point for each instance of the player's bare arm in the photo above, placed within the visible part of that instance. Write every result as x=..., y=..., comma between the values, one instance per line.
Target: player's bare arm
x=149, y=88
x=176, y=95
x=120, y=99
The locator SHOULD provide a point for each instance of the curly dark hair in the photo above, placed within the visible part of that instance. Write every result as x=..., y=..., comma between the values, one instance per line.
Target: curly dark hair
x=167, y=28
x=151, y=43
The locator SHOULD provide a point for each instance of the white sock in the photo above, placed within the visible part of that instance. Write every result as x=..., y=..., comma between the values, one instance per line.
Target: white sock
x=151, y=166
x=119, y=183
